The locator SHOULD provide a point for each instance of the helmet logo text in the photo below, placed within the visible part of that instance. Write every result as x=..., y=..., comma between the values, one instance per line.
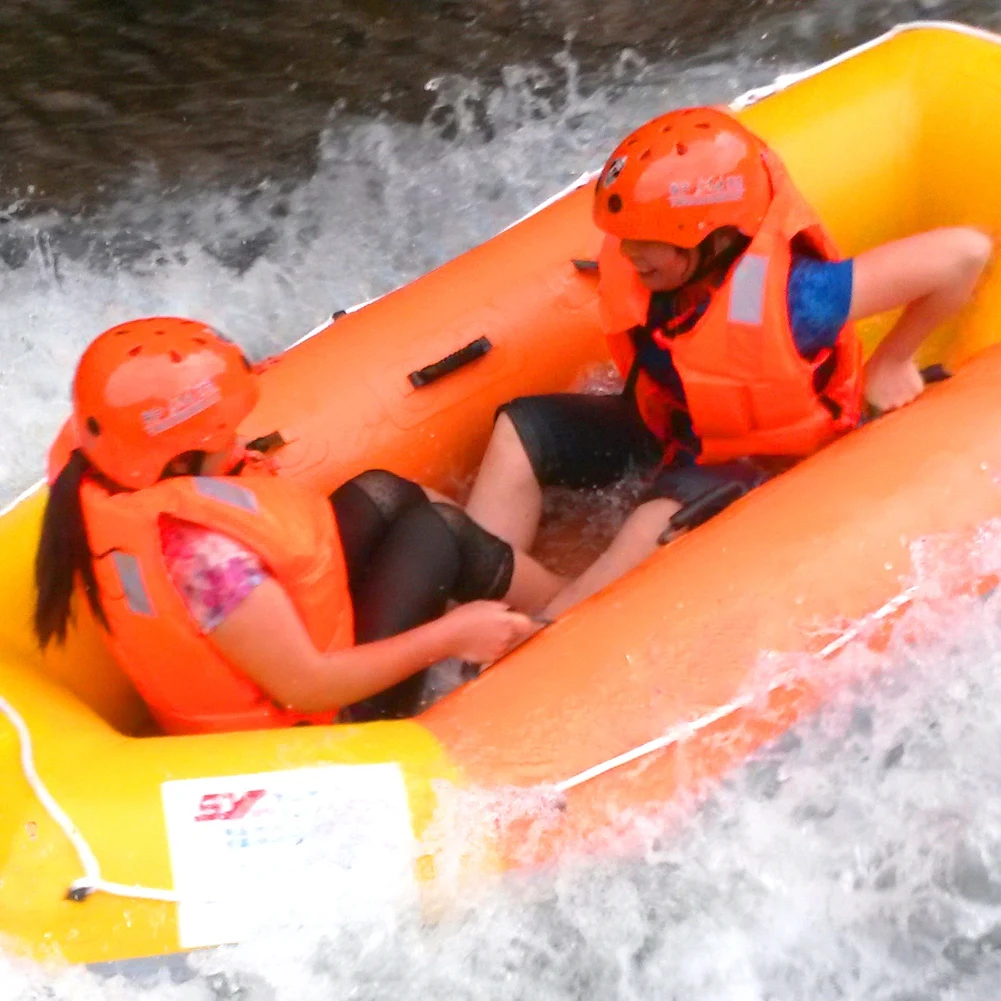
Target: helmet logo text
x=179, y=408
x=707, y=191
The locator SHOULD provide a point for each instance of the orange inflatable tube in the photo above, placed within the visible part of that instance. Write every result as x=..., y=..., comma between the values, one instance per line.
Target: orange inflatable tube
x=630, y=702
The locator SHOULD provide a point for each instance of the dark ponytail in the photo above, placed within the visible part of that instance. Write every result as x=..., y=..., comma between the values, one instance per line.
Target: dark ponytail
x=63, y=552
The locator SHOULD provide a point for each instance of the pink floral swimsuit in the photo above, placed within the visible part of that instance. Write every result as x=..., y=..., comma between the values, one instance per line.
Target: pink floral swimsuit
x=212, y=572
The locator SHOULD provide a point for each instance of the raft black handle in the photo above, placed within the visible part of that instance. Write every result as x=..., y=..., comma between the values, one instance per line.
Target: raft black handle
x=935, y=373
x=583, y=265
x=449, y=364
x=266, y=443
x=702, y=509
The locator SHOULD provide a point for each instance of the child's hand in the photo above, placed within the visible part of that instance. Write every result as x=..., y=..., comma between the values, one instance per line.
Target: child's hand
x=890, y=383
x=483, y=631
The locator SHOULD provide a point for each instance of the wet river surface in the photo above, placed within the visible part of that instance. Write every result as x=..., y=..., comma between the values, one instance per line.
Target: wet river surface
x=259, y=164
x=229, y=92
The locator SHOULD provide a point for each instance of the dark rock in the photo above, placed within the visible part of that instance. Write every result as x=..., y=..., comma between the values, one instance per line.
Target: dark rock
x=235, y=91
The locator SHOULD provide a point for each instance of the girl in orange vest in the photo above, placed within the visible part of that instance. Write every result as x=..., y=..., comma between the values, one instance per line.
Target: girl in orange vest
x=730, y=317
x=232, y=598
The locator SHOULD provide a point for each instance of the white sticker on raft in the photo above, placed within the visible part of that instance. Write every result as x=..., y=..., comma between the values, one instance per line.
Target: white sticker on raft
x=252, y=852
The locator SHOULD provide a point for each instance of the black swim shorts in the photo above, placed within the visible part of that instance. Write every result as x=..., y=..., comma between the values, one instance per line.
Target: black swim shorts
x=585, y=440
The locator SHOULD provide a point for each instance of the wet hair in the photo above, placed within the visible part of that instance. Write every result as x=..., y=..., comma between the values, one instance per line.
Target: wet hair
x=720, y=249
x=63, y=552
x=185, y=464
x=63, y=549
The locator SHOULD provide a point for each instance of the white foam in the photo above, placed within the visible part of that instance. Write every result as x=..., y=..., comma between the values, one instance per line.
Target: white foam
x=858, y=858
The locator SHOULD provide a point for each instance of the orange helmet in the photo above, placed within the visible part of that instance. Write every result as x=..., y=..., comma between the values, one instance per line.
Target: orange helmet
x=149, y=390
x=683, y=175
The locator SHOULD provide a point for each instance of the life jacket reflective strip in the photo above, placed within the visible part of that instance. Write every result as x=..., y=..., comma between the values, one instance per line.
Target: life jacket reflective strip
x=187, y=683
x=747, y=389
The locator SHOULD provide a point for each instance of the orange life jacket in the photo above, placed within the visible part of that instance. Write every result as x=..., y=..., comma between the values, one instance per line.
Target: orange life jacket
x=187, y=683
x=747, y=389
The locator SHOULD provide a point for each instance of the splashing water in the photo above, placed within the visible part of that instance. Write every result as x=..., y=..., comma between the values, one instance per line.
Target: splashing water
x=859, y=857
x=387, y=203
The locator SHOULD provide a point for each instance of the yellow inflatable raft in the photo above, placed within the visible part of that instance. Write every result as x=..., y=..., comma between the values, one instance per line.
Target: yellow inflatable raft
x=115, y=842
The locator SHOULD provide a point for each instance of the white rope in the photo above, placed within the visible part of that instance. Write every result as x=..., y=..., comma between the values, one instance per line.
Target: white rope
x=681, y=732
x=586, y=178
x=34, y=488
x=784, y=80
x=91, y=881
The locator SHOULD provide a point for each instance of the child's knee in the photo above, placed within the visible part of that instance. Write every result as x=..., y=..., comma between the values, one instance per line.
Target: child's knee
x=651, y=518
x=971, y=249
x=506, y=445
x=979, y=249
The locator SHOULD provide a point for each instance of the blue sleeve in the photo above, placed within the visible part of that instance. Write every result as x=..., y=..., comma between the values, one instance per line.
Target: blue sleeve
x=819, y=298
